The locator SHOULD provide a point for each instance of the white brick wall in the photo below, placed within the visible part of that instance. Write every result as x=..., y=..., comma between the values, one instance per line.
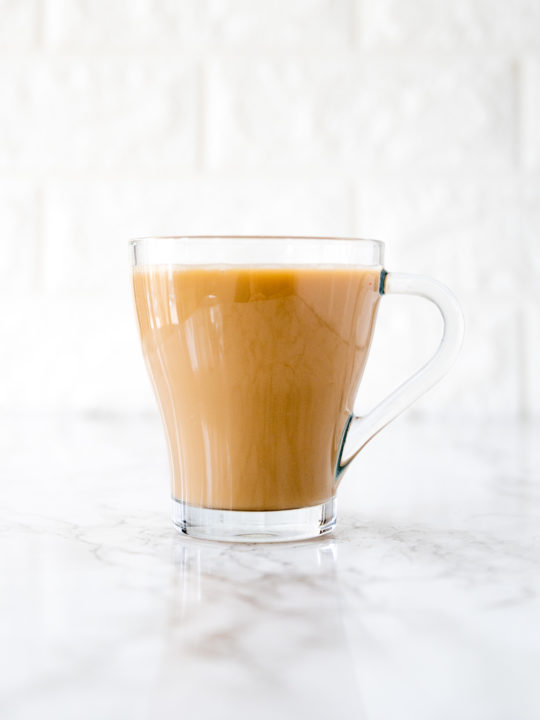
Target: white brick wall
x=19, y=24
x=19, y=237
x=354, y=112
x=71, y=114
x=460, y=25
x=179, y=25
x=413, y=122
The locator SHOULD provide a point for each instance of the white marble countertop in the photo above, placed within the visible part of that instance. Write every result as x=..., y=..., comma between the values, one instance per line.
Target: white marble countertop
x=425, y=603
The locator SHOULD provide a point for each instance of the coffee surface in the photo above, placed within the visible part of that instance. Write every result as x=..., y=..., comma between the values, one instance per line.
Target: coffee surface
x=256, y=371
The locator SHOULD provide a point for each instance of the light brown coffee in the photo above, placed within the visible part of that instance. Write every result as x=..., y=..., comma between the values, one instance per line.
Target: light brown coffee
x=256, y=371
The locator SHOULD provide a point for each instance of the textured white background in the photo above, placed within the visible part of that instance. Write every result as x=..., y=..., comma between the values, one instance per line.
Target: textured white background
x=414, y=122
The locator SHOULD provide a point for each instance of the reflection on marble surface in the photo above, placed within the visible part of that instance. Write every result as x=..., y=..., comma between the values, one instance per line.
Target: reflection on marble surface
x=424, y=604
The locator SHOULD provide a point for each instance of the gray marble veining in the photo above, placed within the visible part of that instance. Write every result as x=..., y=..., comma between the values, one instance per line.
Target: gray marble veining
x=425, y=603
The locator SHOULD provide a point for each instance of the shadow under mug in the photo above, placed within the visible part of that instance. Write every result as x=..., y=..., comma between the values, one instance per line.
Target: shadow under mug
x=256, y=348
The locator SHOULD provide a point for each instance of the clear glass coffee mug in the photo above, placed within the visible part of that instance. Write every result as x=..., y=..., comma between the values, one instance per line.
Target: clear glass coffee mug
x=256, y=347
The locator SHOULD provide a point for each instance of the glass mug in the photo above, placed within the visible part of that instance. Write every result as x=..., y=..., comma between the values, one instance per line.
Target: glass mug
x=256, y=347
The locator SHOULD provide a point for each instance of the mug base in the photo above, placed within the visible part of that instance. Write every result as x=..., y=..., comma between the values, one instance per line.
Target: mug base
x=254, y=526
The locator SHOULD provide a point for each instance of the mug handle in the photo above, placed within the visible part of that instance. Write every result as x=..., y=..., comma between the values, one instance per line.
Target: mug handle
x=359, y=430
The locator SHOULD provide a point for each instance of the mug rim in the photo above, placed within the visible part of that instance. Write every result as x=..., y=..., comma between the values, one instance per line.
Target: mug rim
x=334, y=238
